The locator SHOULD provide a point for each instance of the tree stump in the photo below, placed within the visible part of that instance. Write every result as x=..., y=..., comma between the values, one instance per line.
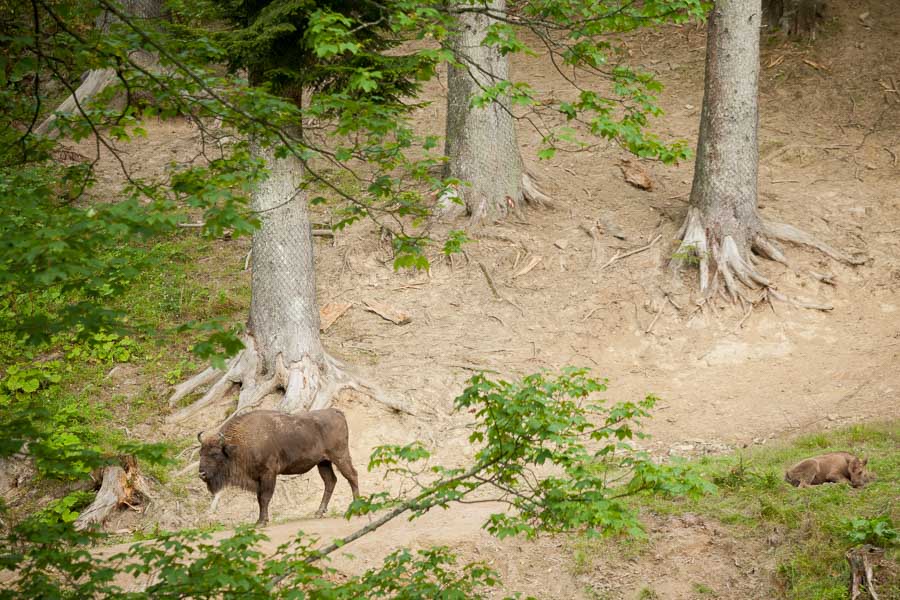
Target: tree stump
x=120, y=485
x=862, y=560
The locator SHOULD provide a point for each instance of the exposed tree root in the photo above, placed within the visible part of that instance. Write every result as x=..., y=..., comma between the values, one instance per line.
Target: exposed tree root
x=532, y=192
x=449, y=205
x=789, y=233
x=187, y=387
x=307, y=385
x=723, y=261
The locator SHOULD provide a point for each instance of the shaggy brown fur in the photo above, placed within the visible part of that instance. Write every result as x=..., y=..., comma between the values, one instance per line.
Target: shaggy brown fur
x=829, y=468
x=251, y=450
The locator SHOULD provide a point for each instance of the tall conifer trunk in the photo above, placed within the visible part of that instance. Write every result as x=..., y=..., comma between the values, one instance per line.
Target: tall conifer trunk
x=723, y=225
x=481, y=143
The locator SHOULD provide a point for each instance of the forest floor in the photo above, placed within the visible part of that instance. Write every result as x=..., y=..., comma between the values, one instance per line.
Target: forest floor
x=829, y=139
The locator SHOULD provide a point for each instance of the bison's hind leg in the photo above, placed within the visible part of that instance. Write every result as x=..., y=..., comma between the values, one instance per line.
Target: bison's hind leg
x=330, y=480
x=345, y=466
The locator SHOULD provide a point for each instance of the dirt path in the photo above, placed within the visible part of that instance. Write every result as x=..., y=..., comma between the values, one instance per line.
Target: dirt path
x=829, y=142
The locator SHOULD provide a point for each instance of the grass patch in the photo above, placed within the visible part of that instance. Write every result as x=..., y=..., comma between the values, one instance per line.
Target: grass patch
x=819, y=524
x=587, y=551
x=96, y=390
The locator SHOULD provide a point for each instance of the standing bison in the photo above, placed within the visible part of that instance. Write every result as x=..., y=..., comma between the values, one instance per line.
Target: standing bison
x=254, y=448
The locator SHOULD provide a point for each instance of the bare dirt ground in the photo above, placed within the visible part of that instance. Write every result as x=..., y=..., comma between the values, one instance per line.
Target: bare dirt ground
x=830, y=138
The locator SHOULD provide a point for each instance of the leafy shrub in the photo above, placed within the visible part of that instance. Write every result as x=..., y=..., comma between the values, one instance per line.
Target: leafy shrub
x=104, y=347
x=879, y=531
x=63, y=510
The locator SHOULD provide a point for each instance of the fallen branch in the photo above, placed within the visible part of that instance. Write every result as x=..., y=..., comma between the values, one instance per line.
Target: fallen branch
x=595, y=241
x=619, y=256
x=388, y=313
x=653, y=322
x=490, y=282
x=535, y=260
x=497, y=294
x=823, y=277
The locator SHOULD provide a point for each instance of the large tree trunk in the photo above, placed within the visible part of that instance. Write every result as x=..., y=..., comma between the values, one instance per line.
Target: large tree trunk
x=723, y=224
x=283, y=349
x=481, y=143
x=794, y=17
x=722, y=220
x=284, y=315
x=95, y=81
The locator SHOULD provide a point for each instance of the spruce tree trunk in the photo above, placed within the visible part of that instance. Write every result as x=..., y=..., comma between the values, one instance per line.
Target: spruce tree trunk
x=481, y=143
x=284, y=314
x=723, y=225
x=722, y=221
x=726, y=170
x=283, y=350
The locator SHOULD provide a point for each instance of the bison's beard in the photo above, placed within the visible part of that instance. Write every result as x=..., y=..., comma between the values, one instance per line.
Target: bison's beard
x=216, y=484
x=229, y=475
x=216, y=480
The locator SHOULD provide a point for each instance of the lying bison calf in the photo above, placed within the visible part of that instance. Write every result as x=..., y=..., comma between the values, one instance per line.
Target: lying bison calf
x=253, y=449
x=828, y=468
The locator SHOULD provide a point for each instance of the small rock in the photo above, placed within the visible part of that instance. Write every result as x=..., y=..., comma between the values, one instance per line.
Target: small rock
x=832, y=417
x=561, y=244
x=857, y=210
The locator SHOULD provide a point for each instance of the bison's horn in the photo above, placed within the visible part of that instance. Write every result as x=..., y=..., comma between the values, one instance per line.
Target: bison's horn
x=200, y=437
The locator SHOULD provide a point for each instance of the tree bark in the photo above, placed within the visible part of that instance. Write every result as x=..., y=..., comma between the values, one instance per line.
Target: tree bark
x=794, y=17
x=283, y=349
x=284, y=315
x=481, y=143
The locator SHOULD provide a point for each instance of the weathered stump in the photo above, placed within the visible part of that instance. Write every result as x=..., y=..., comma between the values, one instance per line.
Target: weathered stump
x=862, y=559
x=120, y=485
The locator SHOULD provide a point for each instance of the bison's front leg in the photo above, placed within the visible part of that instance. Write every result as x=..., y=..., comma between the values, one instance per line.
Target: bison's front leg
x=330, y=480
x=264, y=491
